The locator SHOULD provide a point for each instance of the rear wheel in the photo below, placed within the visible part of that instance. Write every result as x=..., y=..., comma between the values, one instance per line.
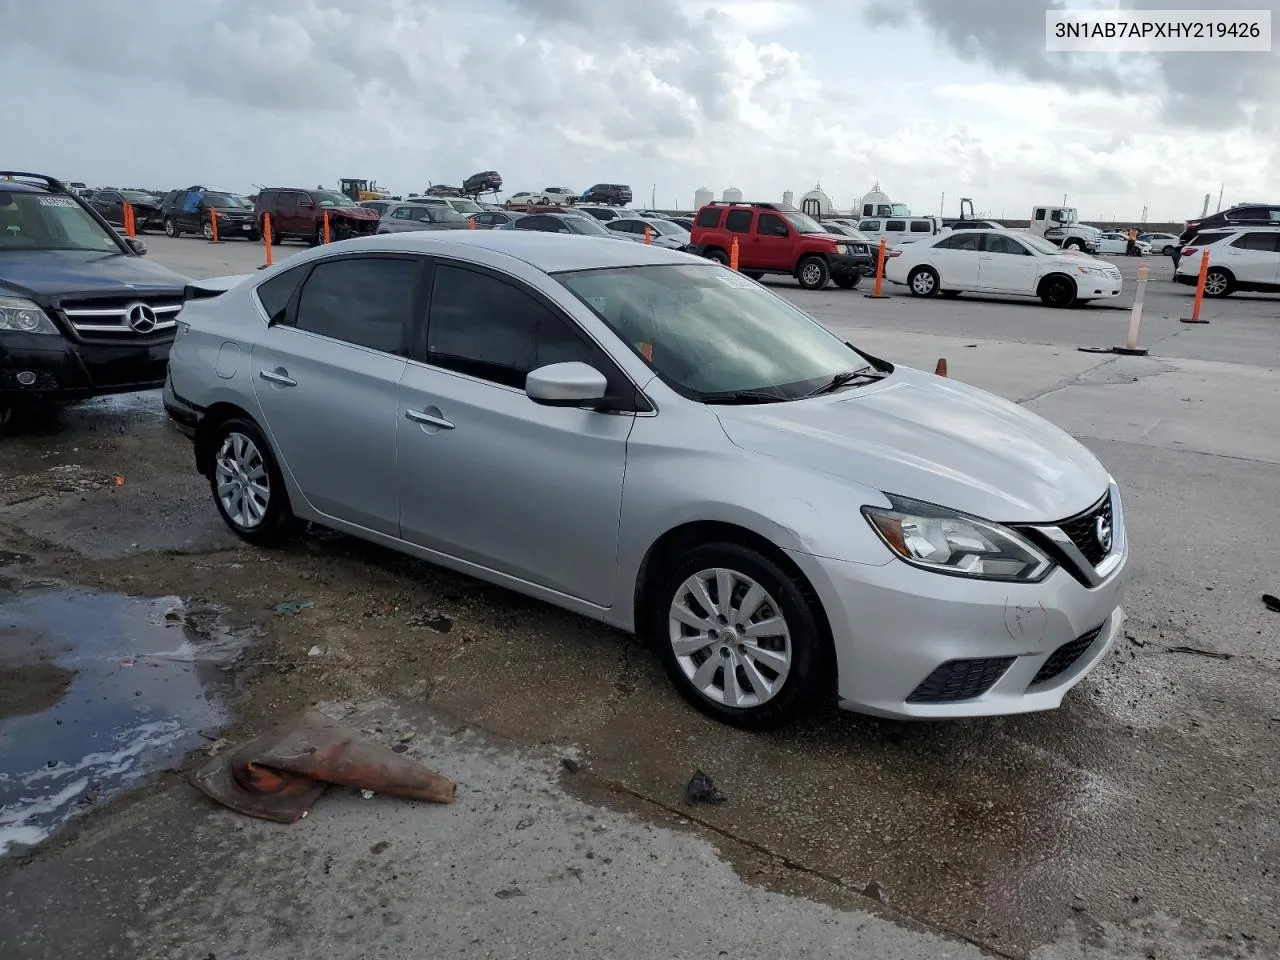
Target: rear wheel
x=813, y=273
x=1057, y=291
x=719, y=256
x=739, y=636
x=1168, y=251
x=1218, y=282
x=923, y=282
x=247, y=486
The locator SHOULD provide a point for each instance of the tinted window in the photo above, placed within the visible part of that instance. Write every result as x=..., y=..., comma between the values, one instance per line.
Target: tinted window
x=961, y=241
x=1257, y=241
x=999, y=243
x=489, y=329
x=361, y=300
x=1250, y=213
x=275, y=294
x=771, y=225
x=708, y=217
x=921, y=226
x=895, y=226
x=545, y=224
x=739, y=221
x=1205, y=239
x=871, y=225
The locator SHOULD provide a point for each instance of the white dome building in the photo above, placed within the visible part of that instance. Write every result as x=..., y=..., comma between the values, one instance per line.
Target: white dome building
x=732, y=195
x=816, y=200
x=701, y=197
x=877, y=204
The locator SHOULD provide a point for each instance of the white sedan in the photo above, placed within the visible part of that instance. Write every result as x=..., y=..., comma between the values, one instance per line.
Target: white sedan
x=1004, y=262
x=664, y=233
x=1113, y=242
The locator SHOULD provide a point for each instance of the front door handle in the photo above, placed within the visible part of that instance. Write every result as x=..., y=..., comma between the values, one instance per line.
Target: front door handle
x=988, y=258
x=418, y=416
x=277, y=377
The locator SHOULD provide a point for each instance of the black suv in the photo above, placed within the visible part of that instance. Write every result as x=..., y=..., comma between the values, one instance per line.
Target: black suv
x=81, y=313
x=146, y=208
x=614, y=194
x=191, y=211
x=1243, y=214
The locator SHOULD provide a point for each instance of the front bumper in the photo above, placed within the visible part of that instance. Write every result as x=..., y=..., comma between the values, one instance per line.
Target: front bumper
x=42, y=367
x=850, y=265
x=1016, y=648
x=236, y=226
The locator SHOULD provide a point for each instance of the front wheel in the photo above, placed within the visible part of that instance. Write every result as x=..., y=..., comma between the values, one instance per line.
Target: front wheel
x=1218, y=283
x=1057, y=292
x=207, y=229
x=719, y=256
x=1168, y=251
x=739, y=636
x=1073, y=245
x=171, y=228
x=923, y=282
x=247, y=486
x=813, y=273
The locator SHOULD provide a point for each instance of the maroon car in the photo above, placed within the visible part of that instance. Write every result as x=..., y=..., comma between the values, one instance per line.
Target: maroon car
x=300, y=214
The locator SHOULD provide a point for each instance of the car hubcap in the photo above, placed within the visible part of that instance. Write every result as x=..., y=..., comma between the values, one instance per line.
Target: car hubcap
x=923, y=283
x=811, y=274
x=244, y=488
x=1215, y=283
x=730, y=638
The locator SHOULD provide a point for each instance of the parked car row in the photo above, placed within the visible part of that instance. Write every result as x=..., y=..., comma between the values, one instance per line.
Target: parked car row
x=1240, y=259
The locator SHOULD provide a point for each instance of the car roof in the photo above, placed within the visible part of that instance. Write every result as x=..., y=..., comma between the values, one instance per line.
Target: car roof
x=17, y=186
x=548, y=252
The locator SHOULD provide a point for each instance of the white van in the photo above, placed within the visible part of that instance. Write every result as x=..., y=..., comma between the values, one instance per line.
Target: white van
x=899, y=230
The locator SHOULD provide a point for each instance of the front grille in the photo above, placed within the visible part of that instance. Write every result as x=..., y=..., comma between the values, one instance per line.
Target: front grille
x=1083, y=530
x=108, y=318
x=960, y=680
x=1061, y=659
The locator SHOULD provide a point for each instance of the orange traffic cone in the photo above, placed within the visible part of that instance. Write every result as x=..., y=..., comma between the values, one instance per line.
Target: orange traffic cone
x=941, y=369
x=281, y=774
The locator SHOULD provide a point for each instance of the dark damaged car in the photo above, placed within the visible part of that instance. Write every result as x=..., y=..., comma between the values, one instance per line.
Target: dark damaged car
x=82, y=314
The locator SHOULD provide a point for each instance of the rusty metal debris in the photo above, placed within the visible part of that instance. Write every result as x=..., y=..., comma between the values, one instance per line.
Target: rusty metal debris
x=281, y=774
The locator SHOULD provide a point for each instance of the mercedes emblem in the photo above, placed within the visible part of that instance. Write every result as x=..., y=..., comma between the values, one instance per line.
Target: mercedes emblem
x=141, y=317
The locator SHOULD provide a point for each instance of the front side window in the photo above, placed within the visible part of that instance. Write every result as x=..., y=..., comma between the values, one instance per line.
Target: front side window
x=364, y=301
x=41, y=221
x=709, y=332
x=999, y=243
x=492, y=330
x=771, y=225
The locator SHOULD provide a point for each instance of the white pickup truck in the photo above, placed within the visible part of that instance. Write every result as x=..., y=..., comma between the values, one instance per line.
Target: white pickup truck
x=1062, y=226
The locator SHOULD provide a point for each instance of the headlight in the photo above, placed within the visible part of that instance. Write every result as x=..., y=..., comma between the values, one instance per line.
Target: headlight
x=844, y=248
x=945, y=541
x=1097, y=271
x=23, y=316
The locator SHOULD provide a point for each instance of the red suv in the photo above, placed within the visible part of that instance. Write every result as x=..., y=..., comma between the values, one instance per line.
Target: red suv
x=774, y=238
x=300, y=213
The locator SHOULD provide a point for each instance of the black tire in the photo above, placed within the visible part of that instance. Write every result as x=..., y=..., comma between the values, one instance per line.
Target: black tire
x=1073, y=245
x=1057, y=291
x=318, y=238
x=253, y=236
x=206, y=229
x=811, y=672
x=1219, y=282
x=923, y=282
x=813, y=273
x=752, y=274
x=1168, y=251
x=951, y=294
x=277, y=521
x=718, y=255
x=846, y=282
x=171, y=228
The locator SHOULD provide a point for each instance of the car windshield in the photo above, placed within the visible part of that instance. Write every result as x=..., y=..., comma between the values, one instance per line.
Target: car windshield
x=466, y=206
x=331, y=198
x=804, y=223
x=586, y=225
x=1040, y=245
x=40, y=221
x=225, y=200
x=137, y=196
x=667, y=228
x=710, y=332
x=436, y=213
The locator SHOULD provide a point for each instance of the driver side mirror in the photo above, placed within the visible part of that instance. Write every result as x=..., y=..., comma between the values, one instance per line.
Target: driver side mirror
x=572, y=384
x=136, y=245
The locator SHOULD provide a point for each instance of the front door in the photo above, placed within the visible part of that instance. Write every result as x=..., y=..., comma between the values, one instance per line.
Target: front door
x=956, y=259
x=327, y=379
x=490, y=477
x=772, y=243
x=1006, y=266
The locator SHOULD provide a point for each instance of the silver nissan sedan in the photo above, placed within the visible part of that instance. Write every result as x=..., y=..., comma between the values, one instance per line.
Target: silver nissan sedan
x=650, y=439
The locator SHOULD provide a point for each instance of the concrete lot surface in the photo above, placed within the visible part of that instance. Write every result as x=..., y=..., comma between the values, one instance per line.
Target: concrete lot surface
x=1139, y=820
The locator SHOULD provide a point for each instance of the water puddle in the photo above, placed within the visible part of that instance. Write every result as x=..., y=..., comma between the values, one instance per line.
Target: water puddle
x=97, y=690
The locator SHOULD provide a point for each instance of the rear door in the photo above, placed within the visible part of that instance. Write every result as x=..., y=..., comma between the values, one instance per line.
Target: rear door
x=956, y=258
x=1253, y=257
x=485, y=474
x=326, y=376
x=772, y=243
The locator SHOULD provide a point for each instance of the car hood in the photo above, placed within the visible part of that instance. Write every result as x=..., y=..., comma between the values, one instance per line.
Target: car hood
x=930, y=439
x=355, y=213
x=54, y=273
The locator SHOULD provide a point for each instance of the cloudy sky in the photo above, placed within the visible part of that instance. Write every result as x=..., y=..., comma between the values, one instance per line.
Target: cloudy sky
x=926, y=96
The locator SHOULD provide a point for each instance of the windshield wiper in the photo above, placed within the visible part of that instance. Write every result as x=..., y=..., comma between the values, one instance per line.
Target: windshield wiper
x=844, y=379
x=741, y=396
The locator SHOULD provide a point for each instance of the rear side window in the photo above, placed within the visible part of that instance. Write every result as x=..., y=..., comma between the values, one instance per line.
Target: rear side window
x=1269, y=242
x=364, y=301
x=921, y=226
x=895, y=226
x=738, y=221
x=1205, y=239
x=492, y=330
x=275, y=294
x=708, y=217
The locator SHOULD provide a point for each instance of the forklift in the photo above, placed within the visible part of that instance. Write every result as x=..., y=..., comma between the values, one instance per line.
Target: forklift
x=359, y=190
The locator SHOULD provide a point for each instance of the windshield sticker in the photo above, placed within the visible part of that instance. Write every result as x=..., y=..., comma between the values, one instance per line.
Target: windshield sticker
x=600, y=303
x=731, y=279
x=56, y=202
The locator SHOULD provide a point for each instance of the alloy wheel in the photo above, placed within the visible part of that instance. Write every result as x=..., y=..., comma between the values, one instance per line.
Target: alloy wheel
x=923, y=283
x=1215, y=284
x=730, y=638
x=810, y=274
x=244, y=487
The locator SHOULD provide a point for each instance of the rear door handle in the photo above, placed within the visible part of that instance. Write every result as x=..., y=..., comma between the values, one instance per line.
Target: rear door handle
x=276, y=377
x=417, y=416
x=988, y=258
